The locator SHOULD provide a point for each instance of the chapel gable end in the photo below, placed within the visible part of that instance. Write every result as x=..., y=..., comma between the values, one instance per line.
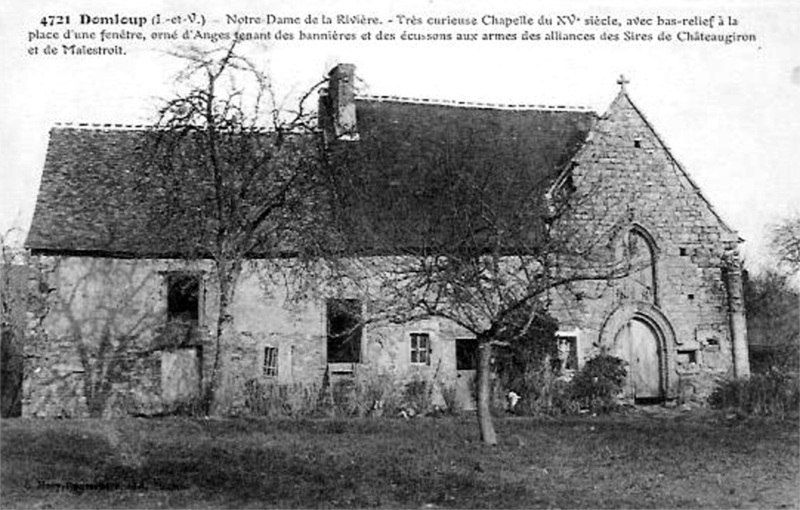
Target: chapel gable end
x=627, y=174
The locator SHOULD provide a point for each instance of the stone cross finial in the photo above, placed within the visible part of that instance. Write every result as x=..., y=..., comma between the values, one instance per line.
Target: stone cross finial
x=622, y=81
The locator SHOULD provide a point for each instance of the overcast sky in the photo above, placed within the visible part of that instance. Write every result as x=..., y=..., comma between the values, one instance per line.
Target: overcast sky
x=730, y=113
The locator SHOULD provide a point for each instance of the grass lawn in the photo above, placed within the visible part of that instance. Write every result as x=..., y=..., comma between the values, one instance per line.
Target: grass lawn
x=629, y=461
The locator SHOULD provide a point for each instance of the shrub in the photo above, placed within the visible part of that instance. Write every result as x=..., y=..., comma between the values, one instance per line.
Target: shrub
x=450, y=397
x=280, y=400
x=523, y=357
x=774, y=393
x=598, y=384
x=784, y=357
x=543, y=391
x=368, y=392
x=299, y=400
x=378, y=390
x=530, y=367
x=346, y=400
x=563, y=400
x=416, y=395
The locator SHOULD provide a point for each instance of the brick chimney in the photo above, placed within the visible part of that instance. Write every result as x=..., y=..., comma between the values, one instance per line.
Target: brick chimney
x=337, y=106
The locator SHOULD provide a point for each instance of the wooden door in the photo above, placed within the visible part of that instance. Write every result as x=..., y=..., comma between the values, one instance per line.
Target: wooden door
x=637, y=344
x=644, y=353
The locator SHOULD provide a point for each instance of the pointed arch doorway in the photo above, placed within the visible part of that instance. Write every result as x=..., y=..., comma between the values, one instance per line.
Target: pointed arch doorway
x=639, y=333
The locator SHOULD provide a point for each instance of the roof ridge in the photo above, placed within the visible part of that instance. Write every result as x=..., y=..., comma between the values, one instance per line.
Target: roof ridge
x=474, y=104
x=98, y=126
x=112, y=126
x=108, y=126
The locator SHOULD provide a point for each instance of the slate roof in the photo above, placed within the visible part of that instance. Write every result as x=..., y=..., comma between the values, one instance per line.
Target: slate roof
x=87, y=200
x=422, y=174
x=414, y=170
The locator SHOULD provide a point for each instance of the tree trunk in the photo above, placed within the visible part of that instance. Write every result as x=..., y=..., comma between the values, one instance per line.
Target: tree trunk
x=488, y=435
x=213, y=401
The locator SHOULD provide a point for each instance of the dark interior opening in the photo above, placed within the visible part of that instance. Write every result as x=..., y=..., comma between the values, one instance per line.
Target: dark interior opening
x=344, y=330
x=466, y=353
x=183, y=297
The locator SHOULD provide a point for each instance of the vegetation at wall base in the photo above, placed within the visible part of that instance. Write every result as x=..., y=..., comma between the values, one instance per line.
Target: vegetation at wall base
x=598, y=384
x=545, y=391
x=774, y=393
x=368, y=392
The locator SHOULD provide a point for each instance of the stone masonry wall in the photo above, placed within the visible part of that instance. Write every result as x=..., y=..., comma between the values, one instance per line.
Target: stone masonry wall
x=98, y=347
x=625, y=178
x=96, y=351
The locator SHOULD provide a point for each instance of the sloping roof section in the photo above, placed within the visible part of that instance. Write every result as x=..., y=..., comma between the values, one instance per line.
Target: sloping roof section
x=87, y=200
x=423, y=175
x=418, y=173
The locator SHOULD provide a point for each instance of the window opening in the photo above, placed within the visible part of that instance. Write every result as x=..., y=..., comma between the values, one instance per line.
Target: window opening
x=183, y=298
x=687, y=358
x=639, y=255
x=344, y=330
x=420, y=348
x=271, y=361
x=568, y=351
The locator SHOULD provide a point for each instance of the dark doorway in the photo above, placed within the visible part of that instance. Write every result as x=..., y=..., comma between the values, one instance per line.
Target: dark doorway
x=466, y=365
x=466, y=353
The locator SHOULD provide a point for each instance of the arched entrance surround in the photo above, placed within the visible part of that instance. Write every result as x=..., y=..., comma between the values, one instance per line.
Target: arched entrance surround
x=637, y=318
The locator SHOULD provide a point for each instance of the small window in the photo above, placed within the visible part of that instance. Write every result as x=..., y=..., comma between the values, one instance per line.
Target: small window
x=183, y=297
x=271, y=361
x=466, y=353
x=344, y=330
x=687, y=358
x=420, y=348
x=568, y=351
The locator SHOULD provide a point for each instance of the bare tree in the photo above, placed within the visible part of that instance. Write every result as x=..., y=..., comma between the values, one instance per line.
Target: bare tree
x=233, y=173
x=786, y=242
x=486, y=256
